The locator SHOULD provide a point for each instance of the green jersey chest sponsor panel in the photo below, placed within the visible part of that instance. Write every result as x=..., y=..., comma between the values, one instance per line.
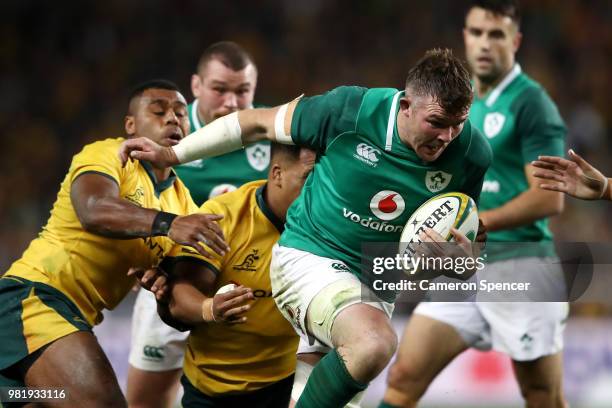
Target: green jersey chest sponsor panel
x=367, y=183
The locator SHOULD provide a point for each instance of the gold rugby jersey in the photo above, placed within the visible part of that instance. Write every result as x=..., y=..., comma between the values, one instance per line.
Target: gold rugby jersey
x=226, y=359
x=91, y=269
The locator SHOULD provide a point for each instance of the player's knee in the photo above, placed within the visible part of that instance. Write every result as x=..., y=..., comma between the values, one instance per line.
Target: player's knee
x=404, y=377
x=376, y=350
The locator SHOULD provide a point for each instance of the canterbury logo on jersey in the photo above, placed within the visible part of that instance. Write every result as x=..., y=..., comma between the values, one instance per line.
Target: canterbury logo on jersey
x=370, y=223
x=152, y=352
x=367, y=154
x=340, y=267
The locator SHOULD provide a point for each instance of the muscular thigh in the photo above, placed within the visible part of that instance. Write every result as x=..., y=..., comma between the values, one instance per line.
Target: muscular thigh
x=542, y=373
x=77, y=364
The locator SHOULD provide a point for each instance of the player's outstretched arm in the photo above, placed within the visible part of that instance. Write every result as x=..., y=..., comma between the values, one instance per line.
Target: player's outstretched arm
x=575, y=177
x=102, y=211
x=223, y=135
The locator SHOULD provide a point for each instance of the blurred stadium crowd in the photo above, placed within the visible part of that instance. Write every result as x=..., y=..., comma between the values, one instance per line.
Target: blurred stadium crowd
x=67, y=68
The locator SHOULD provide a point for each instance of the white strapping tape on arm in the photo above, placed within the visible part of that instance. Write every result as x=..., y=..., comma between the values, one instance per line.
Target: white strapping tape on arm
x=279, y=126
x=221, y=136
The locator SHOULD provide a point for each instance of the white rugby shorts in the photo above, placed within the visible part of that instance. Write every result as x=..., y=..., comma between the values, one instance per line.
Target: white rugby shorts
x=155, y=346
x=298, y=278
x=523, y=330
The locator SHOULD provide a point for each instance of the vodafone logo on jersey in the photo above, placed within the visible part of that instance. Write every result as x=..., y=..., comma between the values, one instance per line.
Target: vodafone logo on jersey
x=387, y=205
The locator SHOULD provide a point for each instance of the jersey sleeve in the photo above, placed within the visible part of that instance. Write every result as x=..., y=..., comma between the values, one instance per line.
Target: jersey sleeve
x=319, y=119
x=540, y=126
x=100, y=157
x=214, y=261
x=478, y=159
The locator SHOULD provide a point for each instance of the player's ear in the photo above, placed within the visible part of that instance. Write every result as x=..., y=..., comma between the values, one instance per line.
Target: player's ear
x=196, y=83
x=518, y=37
x=405, y=104
x=276, y=174
x=130, y=125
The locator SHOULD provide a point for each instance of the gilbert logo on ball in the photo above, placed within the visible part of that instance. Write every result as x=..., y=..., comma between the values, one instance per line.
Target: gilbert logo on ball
x=387, y=205
x=441, y=213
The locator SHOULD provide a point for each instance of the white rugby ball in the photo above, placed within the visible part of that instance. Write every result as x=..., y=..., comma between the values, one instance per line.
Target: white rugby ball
x=441, y=213
x=226, y=288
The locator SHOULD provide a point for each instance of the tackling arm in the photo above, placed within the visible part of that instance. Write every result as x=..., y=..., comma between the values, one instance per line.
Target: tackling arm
x=102, y=211
x=221, y=136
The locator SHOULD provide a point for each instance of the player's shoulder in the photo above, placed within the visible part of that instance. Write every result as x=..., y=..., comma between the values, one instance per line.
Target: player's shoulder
x=347, y=91
x=374, y=111
x=342, y=97
x=103, y=146
x=531, y=95
x=235, y=201
x=102, y=151
x=476, y=146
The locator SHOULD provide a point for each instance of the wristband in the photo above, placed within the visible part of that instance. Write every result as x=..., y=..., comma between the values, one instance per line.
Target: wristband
x=207, y=310
x=161, y=223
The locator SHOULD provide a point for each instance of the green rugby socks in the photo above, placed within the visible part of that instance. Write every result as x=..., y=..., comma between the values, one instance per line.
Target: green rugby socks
x=384, y=404
x=330, y=385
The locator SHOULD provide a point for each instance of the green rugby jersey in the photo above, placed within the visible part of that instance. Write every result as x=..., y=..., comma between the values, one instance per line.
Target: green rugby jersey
x=207, y=178
x=521, y=122
x=366, y=182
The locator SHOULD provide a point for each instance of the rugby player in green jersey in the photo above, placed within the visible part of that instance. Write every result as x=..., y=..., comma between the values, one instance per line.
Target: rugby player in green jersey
x=224, y=82
x=382, y=153
x=521, y=123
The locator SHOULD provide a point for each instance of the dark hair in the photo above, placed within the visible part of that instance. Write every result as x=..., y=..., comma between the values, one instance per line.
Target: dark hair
x=508, y=8
x=228, y=53
x=290, y=151
x=442, y=76
x=151, y=84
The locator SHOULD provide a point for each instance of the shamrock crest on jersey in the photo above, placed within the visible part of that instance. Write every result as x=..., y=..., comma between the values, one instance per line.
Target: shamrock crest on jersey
x=493, y=124
x=258, y=156
x=437, y=180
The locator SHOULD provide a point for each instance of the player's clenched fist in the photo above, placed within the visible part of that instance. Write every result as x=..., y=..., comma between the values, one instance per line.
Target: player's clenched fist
x=228, y=307
x=197, y=230
x=142, y=148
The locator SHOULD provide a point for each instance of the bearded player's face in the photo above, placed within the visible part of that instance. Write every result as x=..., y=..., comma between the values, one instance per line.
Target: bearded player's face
x=221, y=90
x=491, y=41
x=160, y=115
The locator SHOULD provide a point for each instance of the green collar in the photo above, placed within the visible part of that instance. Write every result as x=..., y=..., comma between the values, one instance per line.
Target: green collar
x=261, y=203
x=161, y=186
